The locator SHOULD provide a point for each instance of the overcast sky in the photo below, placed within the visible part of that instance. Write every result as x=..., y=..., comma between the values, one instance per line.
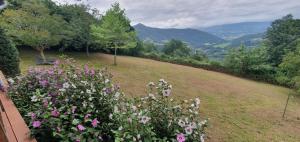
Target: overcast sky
x=200, y=13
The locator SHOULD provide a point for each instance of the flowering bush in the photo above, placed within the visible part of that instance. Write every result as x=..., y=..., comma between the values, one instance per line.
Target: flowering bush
x=157, y=117
x=71, y=103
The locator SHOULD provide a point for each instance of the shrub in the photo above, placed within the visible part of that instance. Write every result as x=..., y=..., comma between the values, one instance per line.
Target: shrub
x=70, y=103
x=67, y=101
x=157, y=117
x=9, y=56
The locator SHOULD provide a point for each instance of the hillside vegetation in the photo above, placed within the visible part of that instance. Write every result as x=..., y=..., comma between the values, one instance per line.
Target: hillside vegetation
x=238, y=109
x=193, y=37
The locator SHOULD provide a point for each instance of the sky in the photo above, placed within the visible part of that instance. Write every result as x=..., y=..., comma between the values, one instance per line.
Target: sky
x=199, y=13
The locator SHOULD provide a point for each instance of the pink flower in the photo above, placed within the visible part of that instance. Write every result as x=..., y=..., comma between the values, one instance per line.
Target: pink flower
x=180, y=137
x=86, y=69
x=55, y=113
x=50, y=72
x=43, y=83
x=92, y=72
x=80, y=127
x=45, y=103
x=87, y=116
x=95, y=122
x=33, y=116
x=36, y=124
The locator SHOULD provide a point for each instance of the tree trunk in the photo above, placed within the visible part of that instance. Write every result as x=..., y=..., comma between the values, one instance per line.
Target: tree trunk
x=287, y=102
x=115, y=56
x=87, y=50
x=43, y=55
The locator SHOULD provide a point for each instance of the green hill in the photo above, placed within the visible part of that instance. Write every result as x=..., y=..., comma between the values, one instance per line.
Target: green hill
x=193, y=37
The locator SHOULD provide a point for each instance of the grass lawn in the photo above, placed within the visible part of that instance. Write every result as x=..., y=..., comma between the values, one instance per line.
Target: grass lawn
x=239, y=109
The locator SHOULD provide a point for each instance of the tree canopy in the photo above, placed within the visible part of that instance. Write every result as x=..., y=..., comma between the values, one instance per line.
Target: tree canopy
x=114, y=30
x=33, y=25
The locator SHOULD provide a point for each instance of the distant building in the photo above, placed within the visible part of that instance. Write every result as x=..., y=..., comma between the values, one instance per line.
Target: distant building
x=3, y=4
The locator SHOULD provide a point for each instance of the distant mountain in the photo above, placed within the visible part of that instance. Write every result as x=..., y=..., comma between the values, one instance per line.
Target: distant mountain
x=193, y=37
x=232, y=31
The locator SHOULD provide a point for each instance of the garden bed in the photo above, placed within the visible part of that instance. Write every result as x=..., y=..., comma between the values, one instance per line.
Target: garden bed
x=72, y=103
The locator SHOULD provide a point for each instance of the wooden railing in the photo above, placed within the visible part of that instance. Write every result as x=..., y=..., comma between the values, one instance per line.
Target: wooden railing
x=12, y=126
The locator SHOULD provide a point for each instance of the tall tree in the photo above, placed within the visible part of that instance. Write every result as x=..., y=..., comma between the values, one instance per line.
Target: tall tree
x=114, y=30
x=280, y=37
x=33, y=25
x=79, y=18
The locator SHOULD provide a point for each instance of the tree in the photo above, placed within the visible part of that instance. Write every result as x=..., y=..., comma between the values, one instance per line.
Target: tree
x=250, y=62
x=280, y=37
x=80, y=20
x=114, y=30
x=177, y=48
x=32, y=25
x=9, y=56
x=289, y=72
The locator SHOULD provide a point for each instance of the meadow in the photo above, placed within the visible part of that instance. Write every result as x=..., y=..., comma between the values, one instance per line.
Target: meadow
x=238, y=109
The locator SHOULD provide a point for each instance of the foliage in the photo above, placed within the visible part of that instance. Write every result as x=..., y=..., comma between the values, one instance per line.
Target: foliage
x=177, y=48
x=163, y=118
x=279, y=37
x=250, y=62
x=33, y=25
x=114, y=30
x=67, y=102
x=71, y=103
x=289, y=69
x=79, y=19
x=9, y=56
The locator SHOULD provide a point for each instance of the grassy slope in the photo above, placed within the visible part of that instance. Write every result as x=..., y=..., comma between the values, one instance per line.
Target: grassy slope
x=239, y=109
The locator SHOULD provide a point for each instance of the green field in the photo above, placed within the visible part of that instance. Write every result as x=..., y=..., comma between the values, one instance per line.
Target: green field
x=238, y=109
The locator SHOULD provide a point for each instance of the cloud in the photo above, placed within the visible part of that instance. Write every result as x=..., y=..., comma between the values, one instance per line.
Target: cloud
x=200, y=13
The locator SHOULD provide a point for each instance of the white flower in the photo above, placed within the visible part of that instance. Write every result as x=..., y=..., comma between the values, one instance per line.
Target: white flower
x=188, y=130
x=90, y=98
x=62, y=90
x=75, y=76
x=151, y=84
x=120, y=128
x=152, y=96
x=138, y=136
x=167, y=92
x=116, y=109
x=73, y=85
x=11, y=81
x=34, y=99
x=192, y=105
x=84, y=82
x=202, y=138
x=134, y=108
x=197, y=100
x=88, y=91
x=193, y=125
x=144, y=119
x=117, y=94
x=106, y=81
x=181, y=123
x=66, y=85
x=110, y=116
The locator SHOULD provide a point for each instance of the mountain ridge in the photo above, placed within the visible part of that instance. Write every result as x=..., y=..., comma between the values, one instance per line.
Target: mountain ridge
x=194, y=37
